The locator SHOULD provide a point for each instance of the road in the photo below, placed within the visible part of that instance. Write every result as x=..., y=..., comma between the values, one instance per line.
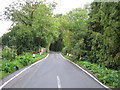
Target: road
x=53, y=72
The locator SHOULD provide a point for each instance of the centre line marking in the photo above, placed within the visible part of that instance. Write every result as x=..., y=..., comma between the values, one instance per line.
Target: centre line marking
x=58, y=82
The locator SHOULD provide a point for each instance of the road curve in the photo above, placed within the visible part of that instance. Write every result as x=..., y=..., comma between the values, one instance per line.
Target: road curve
x=53, y=72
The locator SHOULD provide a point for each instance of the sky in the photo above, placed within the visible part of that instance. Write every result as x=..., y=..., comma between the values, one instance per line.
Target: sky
x=63, y=7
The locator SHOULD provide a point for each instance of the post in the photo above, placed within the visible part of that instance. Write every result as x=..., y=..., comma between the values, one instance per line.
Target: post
x=40, y=52
x=33, y=54
x=67, y=54
x=80, y=55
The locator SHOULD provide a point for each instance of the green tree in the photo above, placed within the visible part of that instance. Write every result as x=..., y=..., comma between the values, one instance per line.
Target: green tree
x=104, y=21
x=35, y=24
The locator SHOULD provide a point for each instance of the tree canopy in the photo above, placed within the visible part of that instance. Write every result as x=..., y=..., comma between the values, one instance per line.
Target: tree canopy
x=33, y=25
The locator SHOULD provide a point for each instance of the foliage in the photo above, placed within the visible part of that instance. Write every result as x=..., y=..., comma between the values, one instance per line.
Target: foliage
x=21, y=61
x=94, y=36
x=33, y=26
x=104, y=40
x=74, y=28
x=67, y=41
x=9, y=54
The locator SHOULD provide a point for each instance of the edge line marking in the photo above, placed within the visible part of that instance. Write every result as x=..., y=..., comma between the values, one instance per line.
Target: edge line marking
x=86, y=73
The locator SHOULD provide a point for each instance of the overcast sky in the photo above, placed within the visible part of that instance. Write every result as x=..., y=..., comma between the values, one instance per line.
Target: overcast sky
x=63, y=7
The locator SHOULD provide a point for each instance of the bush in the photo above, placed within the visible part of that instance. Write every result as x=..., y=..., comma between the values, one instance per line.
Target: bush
x=25, y=60
x=9, y=54
x=10, y=67
x=64, y=50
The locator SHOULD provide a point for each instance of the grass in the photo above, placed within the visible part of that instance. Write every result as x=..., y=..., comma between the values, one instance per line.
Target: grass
x=3, y=74
x=9, y=67
x=104, y=75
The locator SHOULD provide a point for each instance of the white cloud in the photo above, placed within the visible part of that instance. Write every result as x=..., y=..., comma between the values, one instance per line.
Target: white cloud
x=67, y=5
x=4, y=26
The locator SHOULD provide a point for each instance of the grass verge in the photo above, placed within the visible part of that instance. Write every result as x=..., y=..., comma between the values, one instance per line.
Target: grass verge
x=9, y=67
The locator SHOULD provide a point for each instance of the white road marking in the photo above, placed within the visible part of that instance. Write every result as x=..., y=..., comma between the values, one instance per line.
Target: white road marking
x=22, y=72
x=86, y=72
x=58, y=82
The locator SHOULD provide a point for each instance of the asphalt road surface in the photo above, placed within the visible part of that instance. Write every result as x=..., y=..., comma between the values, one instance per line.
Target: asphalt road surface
x=53, y=72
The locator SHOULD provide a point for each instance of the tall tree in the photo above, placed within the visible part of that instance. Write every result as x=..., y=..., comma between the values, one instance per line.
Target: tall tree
x=34, y=22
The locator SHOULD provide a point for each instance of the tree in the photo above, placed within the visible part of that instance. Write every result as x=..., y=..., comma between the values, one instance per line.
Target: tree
x=78, y=28
x=103, y=21
x=35, y=24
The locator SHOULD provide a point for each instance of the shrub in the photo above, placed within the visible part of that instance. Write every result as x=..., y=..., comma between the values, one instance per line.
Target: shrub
x=25, y=60
x=9, y=67
x=9, y=54
x=64, y=50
